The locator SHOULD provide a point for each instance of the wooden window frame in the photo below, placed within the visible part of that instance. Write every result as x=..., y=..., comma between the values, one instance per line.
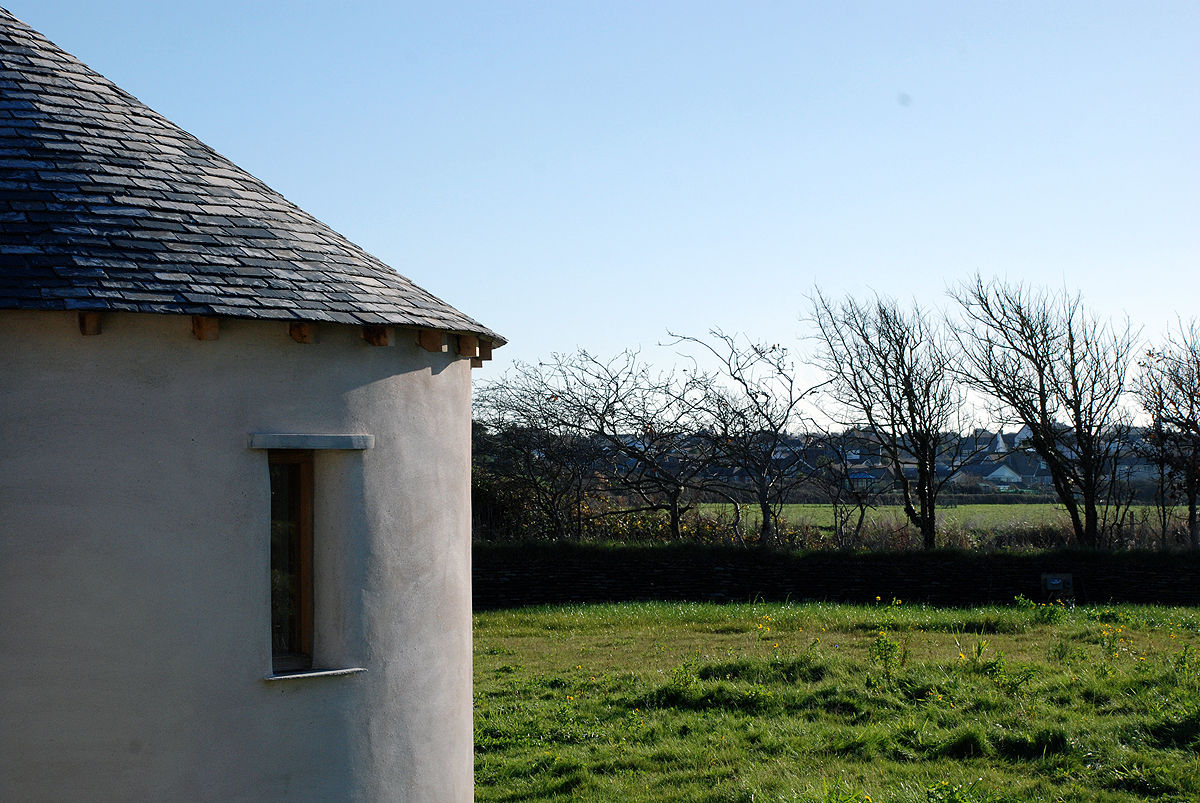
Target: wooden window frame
x=301, y=635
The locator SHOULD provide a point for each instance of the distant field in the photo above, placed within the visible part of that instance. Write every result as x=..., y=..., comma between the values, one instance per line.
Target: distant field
x=890, y=703
x=970, y=517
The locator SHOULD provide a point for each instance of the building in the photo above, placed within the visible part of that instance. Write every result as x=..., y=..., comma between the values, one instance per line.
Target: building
x=234, y=476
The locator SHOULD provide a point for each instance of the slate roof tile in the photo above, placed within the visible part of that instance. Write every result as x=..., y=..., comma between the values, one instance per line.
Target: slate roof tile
x=104, y=204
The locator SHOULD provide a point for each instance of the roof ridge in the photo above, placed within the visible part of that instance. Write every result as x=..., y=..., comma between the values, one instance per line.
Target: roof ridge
x=106, y=204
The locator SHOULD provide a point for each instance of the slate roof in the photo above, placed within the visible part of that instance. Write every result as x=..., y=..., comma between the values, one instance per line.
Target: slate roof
x=106, y=205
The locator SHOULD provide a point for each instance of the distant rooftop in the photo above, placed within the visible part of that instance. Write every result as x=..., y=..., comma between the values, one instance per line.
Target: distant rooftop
x=106, y=205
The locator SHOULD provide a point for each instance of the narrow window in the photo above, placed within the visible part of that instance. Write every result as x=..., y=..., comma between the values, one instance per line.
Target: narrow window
x=291, y=559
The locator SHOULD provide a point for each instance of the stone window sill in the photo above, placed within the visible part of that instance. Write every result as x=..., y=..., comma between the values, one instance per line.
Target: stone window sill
x=316, y=673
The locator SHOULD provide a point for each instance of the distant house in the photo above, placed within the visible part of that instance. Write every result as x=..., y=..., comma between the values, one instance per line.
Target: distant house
x=865, y=477
x=1003, y=475
x=1021, y=437
x=1030, y=468
x=978, y=443
x=234, y=476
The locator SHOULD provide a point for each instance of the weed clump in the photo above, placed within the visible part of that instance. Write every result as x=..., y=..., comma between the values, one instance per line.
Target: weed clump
x=802, y=669
x=969, y=741
x=1177, y=731
x=1042, y=743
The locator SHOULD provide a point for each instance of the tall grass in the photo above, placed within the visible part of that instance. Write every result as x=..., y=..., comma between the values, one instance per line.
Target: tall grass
x=822, y=702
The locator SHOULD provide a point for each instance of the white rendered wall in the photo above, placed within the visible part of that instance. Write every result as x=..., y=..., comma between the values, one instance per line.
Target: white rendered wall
x=134, y=575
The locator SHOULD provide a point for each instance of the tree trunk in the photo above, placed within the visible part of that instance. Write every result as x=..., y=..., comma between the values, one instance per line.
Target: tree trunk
x=766, y=533
x=737, y=521
x=921, y=514
x=1077, y=528
x=1193, y=524
x=928, y=533
x=927, y=501
x=1162, y=505
x=840, y=519
x=676, y=530
x=1091, y=526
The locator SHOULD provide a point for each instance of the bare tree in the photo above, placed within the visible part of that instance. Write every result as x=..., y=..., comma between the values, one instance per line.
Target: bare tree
x=752, y=411
x=892, y=373
x=1061, y=372
x=1168, y=389
x=840, y=477
x=1153, y=447
x=643, y=421
x=536, y=452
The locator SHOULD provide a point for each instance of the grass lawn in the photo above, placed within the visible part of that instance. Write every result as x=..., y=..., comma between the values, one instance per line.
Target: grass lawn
x=823, y=702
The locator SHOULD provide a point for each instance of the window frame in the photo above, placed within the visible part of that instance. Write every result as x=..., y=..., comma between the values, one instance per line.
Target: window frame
x=300, y=659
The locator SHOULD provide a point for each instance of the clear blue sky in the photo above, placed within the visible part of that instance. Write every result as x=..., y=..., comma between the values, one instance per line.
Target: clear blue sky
x=592, y=174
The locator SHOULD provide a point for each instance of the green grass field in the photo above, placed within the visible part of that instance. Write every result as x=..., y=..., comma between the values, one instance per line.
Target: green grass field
x=822, y=702
x=969, y=517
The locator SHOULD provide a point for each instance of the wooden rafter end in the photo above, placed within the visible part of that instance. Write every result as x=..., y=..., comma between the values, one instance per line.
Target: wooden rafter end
x=430, y=339
x=375, y=334
x=468, y=346
x=303, y=331
x=89, y=322
x=205, y=327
